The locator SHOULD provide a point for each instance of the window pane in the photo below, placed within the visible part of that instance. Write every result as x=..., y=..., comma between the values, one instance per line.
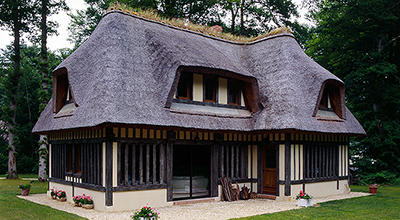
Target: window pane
x=184, y=86
x=210, y=88
x=233, y=92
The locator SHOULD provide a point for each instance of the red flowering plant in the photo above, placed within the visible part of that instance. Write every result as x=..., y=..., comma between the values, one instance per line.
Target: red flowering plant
x=303, y=195
x=53, y=192
x=77, y=199
x=145, y=212
x=61, y=194
x=86, y=200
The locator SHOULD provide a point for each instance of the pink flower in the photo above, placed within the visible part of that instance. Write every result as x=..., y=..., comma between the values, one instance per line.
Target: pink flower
x=302, y=194
x=150, y=214
x=301, y=191
x=145, y=207
x=89, y=199
x=58, y=194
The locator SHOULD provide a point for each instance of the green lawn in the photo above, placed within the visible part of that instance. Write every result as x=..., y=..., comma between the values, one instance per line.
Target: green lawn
x=384, y=205
x=12, y=207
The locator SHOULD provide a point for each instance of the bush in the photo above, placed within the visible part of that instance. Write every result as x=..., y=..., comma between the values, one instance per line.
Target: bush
x=3, y=163
x=27, y=165
x=381, y=177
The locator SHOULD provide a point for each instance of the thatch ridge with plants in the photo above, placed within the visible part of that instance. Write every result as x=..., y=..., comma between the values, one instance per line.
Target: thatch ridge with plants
x=187, y=25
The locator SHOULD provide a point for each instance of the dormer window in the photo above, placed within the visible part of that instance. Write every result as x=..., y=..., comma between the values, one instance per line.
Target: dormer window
x=213, y=91
x=328, y=98
x=64, y=103
x=331, y=103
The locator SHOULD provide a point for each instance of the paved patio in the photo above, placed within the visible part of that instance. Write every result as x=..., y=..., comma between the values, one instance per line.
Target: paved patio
x=207, y=210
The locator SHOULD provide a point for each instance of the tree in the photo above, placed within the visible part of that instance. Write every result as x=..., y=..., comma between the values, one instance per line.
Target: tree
x=15, y=15
x=27, y=101
x=358, y=40
x=47, y=8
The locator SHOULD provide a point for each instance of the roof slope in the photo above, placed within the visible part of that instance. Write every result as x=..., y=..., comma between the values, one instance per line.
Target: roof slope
x=124, y=72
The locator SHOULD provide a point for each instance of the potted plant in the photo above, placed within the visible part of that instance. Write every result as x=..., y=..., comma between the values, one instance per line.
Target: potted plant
x=304, y=199
x=87, y=202
x=61, y=196
x=373, y=188
x=25, y=189
x=53, y=193
x=77, y=200
x=145, y=213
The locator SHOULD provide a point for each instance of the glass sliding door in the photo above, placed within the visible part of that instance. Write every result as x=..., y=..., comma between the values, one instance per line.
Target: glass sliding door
x=191, y=171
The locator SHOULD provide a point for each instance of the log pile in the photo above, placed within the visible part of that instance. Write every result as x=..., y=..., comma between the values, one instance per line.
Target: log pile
x=245, y=193
x=229, y=193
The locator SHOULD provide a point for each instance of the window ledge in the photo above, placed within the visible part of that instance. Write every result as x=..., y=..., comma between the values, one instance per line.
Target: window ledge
x=323, y=115
x=222, y=112
x=67, y=110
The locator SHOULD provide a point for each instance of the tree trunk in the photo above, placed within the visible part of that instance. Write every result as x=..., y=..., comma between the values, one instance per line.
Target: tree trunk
x=42, y=174
x=241, y=18
x=12, y=163
x=233, y=20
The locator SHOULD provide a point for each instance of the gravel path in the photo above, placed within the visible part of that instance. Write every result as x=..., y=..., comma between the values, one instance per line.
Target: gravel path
x=208, y=210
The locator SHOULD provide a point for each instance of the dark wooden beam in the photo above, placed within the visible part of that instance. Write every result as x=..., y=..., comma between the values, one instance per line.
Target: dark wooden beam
x=109, y=165
x=287, y=164
x=154, y=164
x=133, y=147
x=162, y=163
x=214, y=170
x=126, y=165
x=169, y=180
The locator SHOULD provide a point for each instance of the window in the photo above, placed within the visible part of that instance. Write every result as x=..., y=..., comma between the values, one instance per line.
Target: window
x=210, y=88
x=233, y=92
x=74, y=158
x=64, y=103
x=331, y=103
x=320, y=161
x=184, y=90
x=327, y=100
x=84, y=161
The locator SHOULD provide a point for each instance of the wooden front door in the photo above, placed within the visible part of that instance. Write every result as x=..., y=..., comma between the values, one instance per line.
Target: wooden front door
x=269, y=170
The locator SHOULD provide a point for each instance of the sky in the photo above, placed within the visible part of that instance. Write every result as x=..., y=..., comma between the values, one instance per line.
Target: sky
x=53, y=42
x=60, y=41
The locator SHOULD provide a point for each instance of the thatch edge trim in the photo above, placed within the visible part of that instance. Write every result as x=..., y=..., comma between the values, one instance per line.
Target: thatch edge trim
x=201, y=34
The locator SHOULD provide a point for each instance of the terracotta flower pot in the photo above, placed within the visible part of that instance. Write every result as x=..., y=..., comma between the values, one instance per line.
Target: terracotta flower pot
x=87, y=206
x=25, y=192
x=373, y=190
x=62, y=199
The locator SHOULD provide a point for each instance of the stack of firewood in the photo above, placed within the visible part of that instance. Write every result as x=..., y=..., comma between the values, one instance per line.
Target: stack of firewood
x=229, y=193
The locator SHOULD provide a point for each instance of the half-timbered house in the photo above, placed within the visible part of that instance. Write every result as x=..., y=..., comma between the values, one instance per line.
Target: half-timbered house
x=144, y=112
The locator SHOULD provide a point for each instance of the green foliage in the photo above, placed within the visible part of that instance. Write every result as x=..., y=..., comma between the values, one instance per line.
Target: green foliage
x=383, y=205
x=382, y=177
x=28, y=101
x=358, y=40
x=12, y=207
x=24, y=186
x=250, y=18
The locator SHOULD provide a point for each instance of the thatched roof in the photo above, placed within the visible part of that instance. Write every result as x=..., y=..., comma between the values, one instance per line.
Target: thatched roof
x=125, y=71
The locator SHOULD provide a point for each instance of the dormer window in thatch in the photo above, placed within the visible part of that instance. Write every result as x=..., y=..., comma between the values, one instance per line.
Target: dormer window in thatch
x=63, y=99
x=331, y=102
x=202, y=89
